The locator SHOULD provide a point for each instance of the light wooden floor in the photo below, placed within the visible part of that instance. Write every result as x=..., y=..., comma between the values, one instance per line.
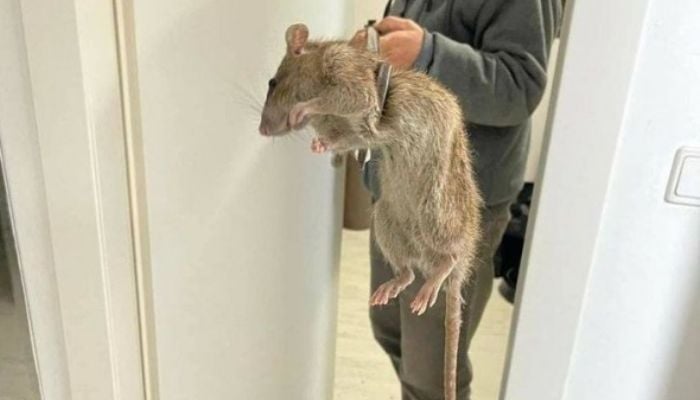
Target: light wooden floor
x=363, y=372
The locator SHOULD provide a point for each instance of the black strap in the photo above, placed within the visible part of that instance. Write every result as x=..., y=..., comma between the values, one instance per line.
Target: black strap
x=382, y=85
x=387, y=9
x=383, y=75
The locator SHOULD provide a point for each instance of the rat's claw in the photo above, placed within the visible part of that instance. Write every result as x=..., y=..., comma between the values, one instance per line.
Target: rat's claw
x=318, y=146
x=383, y=294
x=426, y=297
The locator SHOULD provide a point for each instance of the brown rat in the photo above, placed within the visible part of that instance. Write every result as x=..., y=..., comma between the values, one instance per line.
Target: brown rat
x=428, y=217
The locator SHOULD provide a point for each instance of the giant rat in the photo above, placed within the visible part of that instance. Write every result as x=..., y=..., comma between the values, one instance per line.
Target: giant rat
x=427, y=218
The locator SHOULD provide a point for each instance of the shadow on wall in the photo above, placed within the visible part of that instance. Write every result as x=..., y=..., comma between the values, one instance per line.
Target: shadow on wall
x=9, y=272
x=17, y=367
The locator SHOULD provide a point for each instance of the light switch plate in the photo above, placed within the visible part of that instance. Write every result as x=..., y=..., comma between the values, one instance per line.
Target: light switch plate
x=684, y=183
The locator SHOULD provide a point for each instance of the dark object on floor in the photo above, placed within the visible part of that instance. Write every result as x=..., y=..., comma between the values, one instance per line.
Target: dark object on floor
x=507, y=291
x=357, y=213
x=509, y=253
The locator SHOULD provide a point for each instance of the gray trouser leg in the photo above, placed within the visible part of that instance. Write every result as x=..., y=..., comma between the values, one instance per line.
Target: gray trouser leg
x=415, y=344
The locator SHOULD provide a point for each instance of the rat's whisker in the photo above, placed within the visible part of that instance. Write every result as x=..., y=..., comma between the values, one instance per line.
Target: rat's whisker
x=245, y=96
x=300, y=137
x=249, y=101
x=288, y=138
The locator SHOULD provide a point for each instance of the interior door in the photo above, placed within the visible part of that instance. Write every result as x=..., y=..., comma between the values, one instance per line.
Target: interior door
x=244, y=231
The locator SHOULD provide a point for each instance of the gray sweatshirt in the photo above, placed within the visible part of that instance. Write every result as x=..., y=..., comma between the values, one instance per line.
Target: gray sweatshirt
x=493, y=55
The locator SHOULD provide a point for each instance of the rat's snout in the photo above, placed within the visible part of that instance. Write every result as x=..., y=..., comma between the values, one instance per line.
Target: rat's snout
x=264, y=127
x=267, y=124
x=272, y=124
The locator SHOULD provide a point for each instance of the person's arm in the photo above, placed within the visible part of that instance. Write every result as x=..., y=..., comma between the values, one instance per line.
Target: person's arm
x=502, y=81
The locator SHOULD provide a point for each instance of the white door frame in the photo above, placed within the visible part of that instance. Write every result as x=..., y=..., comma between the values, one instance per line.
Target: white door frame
x=594, y=72
x=66, y=169
x=66, y=172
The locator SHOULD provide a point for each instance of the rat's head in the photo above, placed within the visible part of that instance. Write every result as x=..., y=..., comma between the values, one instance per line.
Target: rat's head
x=297, y=79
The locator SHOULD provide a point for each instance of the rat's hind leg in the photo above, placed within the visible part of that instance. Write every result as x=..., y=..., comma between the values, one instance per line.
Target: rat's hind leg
x=390, y=289
x=428, y=294
x=398, y=251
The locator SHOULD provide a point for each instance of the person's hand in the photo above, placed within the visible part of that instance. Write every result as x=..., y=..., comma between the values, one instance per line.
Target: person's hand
x=400, y=41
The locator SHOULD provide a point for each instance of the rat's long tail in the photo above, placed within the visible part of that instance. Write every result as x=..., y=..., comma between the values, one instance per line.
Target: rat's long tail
x=453, y=321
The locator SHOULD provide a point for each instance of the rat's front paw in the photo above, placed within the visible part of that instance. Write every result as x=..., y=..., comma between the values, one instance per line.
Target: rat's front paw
x=298, y=116
x=318, y=145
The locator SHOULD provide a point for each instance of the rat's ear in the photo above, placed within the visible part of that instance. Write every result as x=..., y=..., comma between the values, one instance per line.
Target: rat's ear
x=296, y=36
x=359, y=41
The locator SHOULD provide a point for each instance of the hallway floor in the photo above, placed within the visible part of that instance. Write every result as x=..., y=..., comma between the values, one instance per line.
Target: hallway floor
x=363, y=372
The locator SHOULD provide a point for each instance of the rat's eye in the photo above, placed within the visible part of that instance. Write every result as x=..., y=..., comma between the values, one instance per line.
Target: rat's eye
x=271, y=86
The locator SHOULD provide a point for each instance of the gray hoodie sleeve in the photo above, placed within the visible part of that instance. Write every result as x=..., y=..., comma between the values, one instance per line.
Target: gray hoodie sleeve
x=502, y=79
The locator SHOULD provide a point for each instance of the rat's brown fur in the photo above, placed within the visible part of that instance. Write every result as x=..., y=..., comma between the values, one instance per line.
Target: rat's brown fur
x=427, y=218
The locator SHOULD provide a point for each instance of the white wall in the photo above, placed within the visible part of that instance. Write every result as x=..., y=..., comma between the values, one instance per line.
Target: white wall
x=609, y=305
x=367, y=9
x=244, y=230
x=640, y=329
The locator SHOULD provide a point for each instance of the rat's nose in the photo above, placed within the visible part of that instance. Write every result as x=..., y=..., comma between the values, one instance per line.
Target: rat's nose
x=264, y=128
